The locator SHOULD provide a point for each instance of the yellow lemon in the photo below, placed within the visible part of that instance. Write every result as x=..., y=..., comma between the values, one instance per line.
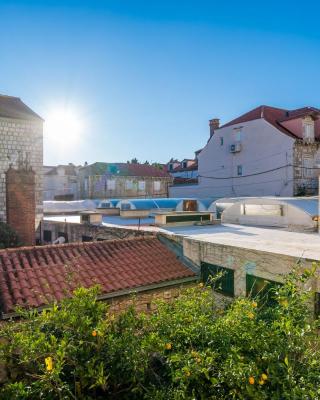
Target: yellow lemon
x=251, y=380
x=168, y=346
x=49, y=363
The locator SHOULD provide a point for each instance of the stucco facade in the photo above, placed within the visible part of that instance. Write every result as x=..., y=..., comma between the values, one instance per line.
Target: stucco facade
x=60, y=183
x=259, y=154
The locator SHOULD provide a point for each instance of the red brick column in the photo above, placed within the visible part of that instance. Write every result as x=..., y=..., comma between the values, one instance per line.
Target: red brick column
x=21, y=205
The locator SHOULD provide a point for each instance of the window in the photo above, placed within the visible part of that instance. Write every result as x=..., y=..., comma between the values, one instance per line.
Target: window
x=87, y=238
x=308, y=129
x=263, y=209
x=238, y=135
x=221, y=141
x=111, y=184
x=47, y=236
x=239, y=170
x=184, y=164
x=307, y=168
x=141, y=185
x=224, y=284
x=126, y=206
x=261, y=287
x=85, y=218
x=170, y=167
x=156, y=186
x=86, y=184
x=129, y=185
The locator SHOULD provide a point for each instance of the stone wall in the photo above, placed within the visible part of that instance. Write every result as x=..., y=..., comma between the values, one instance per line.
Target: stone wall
x=144, y=301
x=270, y=266
x=21, y=142
x=305, y=181
x=85, y=232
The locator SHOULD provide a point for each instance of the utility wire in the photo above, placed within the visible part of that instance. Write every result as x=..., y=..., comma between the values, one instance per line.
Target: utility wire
x=259, y=173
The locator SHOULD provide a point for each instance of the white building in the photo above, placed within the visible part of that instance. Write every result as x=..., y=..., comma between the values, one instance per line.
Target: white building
x=267, y=151
x=60, y=182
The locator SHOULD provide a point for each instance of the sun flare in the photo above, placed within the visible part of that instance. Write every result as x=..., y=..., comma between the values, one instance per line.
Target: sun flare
x=63, y=126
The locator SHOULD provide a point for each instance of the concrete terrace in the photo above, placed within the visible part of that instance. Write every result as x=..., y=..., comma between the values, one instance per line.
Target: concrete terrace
x=272, y=240
x=300, y=245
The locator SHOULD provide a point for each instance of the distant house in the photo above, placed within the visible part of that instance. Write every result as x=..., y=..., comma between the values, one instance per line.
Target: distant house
x=33, y=277
x=60, y=182
x=122, y=180
x=267, y=151
x=183, y=172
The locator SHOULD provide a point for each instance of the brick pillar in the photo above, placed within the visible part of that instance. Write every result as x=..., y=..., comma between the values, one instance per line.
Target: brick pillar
x=21, y=204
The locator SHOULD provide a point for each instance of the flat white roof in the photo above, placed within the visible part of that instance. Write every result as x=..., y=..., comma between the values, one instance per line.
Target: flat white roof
x=296, y=244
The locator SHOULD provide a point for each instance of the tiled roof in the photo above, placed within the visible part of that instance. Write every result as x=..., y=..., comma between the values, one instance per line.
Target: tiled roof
x=36, y=276
x=274, y=116
x=185, y=181
x=13, y=107
x=126, y=169
x=193, y=167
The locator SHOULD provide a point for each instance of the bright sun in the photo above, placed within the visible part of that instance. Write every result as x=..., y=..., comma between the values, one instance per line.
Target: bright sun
x=63, y=127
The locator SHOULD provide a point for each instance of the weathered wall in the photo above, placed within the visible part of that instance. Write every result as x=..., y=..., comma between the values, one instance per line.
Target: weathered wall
x=305, y=181
x=21, y=141
x=96, y=187
x=259, y=263
x=20, y=196
x=143, y=301
x=76, y=232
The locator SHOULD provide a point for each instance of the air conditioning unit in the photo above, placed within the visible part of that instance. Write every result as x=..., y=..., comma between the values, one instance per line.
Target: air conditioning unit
x=235, y=148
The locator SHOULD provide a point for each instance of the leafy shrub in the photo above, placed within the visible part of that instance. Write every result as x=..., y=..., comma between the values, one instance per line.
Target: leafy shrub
x=8, y=237
x=189, y=349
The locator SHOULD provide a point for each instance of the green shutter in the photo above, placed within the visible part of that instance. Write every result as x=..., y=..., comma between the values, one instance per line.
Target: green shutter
x=224, y=284
x=262, y=288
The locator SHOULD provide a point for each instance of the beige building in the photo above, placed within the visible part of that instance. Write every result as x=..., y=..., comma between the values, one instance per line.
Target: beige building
x=122, y=180
x=21, y=147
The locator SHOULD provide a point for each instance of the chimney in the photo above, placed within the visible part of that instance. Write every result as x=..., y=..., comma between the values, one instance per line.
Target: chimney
x=21, y=205
x=214, y=124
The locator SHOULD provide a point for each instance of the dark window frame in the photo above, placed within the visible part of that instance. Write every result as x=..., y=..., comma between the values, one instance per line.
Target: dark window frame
x=257, y=286
x=224, y=284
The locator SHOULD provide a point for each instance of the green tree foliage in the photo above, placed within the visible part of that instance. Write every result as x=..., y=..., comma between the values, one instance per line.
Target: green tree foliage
x=8, y=237
x=192, y=348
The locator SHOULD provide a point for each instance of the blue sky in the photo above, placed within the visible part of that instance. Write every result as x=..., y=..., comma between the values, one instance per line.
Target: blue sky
x=146, y=76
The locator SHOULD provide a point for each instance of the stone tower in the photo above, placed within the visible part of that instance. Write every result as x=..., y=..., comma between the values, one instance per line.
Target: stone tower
x=21, y=149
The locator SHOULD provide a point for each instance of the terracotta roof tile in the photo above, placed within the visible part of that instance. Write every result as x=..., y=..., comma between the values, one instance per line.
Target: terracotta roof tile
x=275, y=116
x=35, y=276
x=127, y=169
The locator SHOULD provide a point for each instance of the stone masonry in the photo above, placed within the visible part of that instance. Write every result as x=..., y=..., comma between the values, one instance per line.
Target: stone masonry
x=305, y=181
x=21, y=144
